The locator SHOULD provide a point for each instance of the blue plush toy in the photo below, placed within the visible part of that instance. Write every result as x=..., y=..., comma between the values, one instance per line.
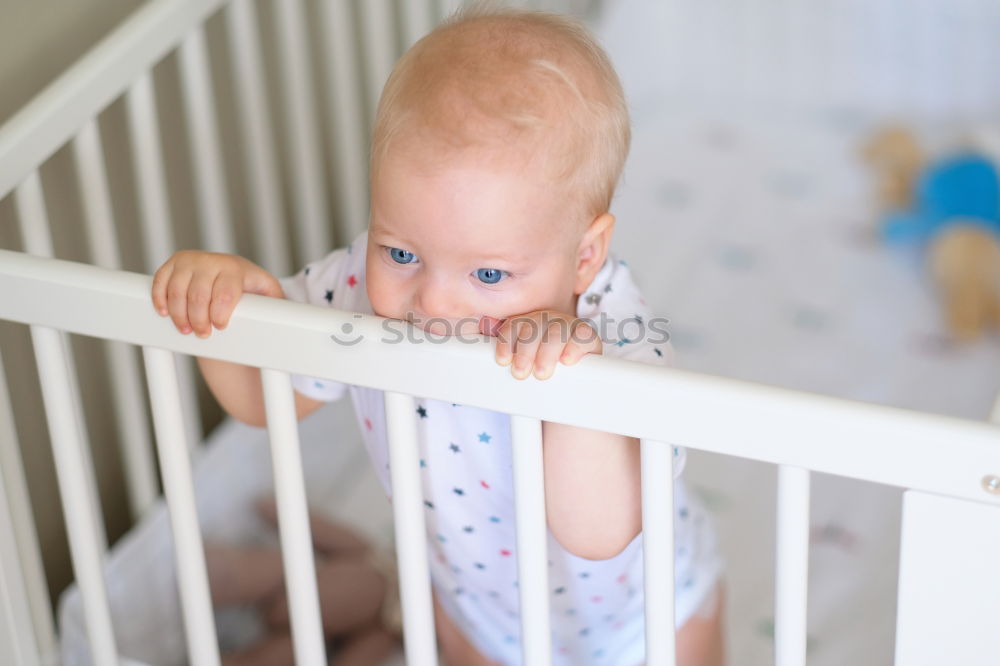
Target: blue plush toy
x=951, y=206
x=961, y=189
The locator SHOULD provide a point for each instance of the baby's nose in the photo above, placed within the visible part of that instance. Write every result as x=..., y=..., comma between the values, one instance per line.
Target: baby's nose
x=438, y=304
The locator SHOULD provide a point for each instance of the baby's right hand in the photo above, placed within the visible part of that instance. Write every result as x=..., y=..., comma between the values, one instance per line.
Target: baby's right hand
x=198, y=289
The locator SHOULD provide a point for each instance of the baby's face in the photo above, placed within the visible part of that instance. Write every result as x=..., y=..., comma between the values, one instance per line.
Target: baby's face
x=449, y=245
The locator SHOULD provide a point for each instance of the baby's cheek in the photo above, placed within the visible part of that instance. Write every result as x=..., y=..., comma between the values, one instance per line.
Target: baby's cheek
x=381, y=295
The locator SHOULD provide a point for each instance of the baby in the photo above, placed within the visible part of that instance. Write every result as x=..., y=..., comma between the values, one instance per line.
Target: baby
x=498, y=142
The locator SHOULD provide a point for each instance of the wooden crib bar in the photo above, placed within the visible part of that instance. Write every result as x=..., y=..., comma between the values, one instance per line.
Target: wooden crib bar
x=347, y=115
x=658, y=549
x=408, y=519
x=204, y=145
x=791, y=566
x=25, y=616
x=254, y=116
x=301, y=129
x=17, y=631
x=293, y=519
x=70, y=449
x=829, y=435
x=154, y=209
x=130, y=408
x=532, y=541
x=178, y=486
x=74, y=472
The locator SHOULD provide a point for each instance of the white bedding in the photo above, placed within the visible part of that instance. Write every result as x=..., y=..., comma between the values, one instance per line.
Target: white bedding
x=753, y=237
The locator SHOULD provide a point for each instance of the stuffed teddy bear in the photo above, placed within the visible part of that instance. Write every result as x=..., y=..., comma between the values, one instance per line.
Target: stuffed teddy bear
x=952, y=205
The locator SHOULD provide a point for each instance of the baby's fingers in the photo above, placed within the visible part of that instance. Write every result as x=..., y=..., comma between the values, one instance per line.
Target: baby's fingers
x=583, y=341
x=225, y=293
x=526, y=337
x=160, y=280
x=554, y=340
x=199, y=298
x=177, y=299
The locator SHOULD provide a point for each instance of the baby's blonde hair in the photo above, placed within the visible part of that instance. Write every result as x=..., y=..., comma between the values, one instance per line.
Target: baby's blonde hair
x=512, y=82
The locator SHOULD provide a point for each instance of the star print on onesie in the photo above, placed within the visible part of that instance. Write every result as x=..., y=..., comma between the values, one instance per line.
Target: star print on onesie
x=466, y=466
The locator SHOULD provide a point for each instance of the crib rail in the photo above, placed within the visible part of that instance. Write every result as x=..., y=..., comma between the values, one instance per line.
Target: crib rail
x=797, y=431
x=823, y=434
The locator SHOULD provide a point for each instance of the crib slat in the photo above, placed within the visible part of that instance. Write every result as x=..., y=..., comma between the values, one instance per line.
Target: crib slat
x=33, y=222
x=203, y=139
x=791, y=566
x=71, y=454
x=135, y=440
x=301, y=130
x=658, y=550
x=380, y=45
x=416, y=16
x=178, y=486
x=76, y=489
x=254, y=115
x=17, y=637
x=147, y=158
x=411, y=535
x=348, y=119
x=532, y=539
x=23, y=595
x=293, y=519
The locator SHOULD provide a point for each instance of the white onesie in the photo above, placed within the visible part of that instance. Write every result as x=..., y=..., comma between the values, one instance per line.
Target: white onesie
x=465, y=452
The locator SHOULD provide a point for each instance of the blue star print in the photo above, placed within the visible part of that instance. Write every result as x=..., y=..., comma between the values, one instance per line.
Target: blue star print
x=483, y=437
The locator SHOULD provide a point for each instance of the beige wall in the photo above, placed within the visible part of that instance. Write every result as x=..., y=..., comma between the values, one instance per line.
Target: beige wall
x=40, y=38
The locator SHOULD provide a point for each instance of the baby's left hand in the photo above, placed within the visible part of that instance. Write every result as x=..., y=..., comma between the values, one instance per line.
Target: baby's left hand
x=537, y=340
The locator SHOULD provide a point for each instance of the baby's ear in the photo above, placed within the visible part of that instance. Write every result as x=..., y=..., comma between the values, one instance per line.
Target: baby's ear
x=593, y=250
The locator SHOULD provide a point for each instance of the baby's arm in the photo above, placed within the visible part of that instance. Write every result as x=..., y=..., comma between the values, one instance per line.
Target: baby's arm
x=592, y=493
x=201, y=289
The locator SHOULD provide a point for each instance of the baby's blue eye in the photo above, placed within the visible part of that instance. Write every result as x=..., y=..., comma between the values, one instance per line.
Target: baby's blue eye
x=489, y=275
x=401, y=256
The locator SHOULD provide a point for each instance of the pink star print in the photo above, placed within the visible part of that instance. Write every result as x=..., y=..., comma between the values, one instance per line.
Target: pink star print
x=505, y=552
x=368, y=423
x=484, y=485
x=351, y=281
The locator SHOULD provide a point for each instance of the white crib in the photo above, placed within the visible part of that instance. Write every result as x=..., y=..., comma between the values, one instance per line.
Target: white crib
x=947, y=588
